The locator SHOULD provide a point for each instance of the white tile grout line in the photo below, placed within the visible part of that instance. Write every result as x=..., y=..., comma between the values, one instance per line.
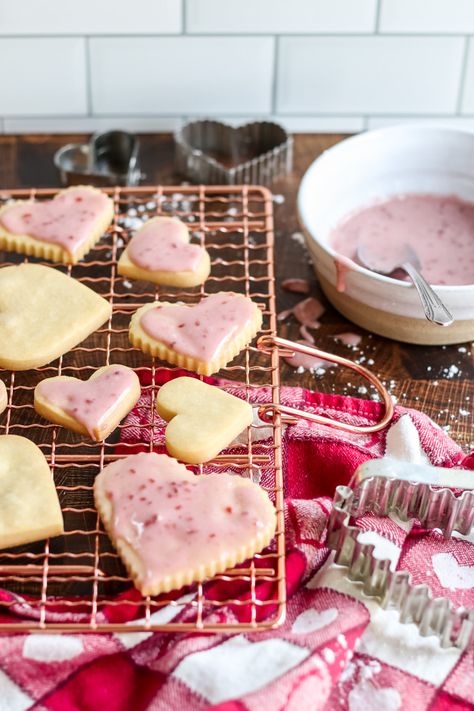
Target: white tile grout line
x=245, y=115
x=88, y=77
x=184, y=17
x=243, y=35
x=276, y=63
x=462, y=77
x=378, y=12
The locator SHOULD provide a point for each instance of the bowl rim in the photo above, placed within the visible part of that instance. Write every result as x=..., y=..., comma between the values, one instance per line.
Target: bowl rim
x=339, y=147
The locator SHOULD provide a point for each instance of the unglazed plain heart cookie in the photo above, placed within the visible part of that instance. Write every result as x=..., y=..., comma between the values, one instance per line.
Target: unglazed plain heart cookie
x=63, y=229
x=29, y=506
x=94, y=406
x=3, y=397
x=203, y=337
x=43, y=314
x=203, y=419
x=160, y=252
x=172, y=528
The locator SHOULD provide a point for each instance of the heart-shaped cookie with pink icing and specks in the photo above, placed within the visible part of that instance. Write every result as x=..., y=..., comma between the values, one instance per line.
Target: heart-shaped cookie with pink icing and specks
x=95, y=406
x=63, y=229
x=161, y=252
x=201, y=337
x=172, y=528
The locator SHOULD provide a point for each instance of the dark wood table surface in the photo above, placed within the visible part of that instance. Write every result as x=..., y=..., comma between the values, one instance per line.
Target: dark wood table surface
x=436, y=379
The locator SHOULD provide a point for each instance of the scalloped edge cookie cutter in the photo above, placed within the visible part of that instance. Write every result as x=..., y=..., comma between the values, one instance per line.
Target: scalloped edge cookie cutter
x=382, y=487
x=198, y=142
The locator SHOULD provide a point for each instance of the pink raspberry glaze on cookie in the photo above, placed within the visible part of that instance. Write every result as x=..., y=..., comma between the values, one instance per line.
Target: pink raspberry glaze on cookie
x=90, y=402
x=67, y=220
x=199, y=331
x=170, y=516
x=159, y=246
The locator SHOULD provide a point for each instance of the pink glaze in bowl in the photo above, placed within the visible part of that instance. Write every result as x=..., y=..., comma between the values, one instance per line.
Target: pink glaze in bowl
x=360, y=171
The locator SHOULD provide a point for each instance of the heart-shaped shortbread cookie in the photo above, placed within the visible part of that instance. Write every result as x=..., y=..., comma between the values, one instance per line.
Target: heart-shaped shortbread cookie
x=203, y=419
x=63, y=229
x=29, y=506
x=202, y=337
x=43, y=314
x=3, y=397
x=172, y=528
x=160, y=252
x=94, y=406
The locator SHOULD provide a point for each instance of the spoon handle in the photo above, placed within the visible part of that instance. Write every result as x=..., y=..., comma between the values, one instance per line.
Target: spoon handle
x=434, y=308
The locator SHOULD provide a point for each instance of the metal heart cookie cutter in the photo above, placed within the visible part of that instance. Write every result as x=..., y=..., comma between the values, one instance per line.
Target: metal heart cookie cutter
x=109, y=159
x=215, y=153
x=411, y=491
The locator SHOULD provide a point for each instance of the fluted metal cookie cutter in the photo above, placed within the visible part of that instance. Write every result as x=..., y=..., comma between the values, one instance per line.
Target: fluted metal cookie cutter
x=385, y=486
x=213, y=152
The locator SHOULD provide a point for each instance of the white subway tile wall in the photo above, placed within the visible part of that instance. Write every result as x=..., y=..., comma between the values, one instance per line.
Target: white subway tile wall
x=384, y=74
x=44, y=75
x=313, y=65
x=169, y=75
x=280, y=16
x=426, y=16
x=90, y=17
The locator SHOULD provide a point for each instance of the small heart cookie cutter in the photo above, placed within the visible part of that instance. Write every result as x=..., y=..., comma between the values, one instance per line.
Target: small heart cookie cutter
x=384, y=487
x=257, y=153
x=110, y=158
x=280, y=347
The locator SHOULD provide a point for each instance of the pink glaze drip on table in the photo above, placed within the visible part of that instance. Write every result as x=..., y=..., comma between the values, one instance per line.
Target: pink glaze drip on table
x=297, y=286
x=307, y=312
x=439, y=228
x=306, y=361
x=203, y=330
x=159, y=246
x=171, y=518
x=68, y=220
x=348, y=338
x=90, y=402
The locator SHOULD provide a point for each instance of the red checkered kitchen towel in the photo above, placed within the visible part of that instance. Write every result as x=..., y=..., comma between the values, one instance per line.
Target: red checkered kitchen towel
x=336, y=650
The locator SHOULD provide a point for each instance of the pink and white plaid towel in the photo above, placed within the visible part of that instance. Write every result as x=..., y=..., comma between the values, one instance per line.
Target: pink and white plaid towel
x=336, y=650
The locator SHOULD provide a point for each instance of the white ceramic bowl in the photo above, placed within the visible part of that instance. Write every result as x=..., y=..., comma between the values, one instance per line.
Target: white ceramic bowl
x=372, y=166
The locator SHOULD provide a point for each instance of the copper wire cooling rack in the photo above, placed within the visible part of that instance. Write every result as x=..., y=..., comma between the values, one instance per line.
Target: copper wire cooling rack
x=236, y=226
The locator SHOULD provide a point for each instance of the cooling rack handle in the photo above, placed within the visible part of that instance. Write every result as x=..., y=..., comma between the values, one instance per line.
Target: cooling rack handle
x=290, y=415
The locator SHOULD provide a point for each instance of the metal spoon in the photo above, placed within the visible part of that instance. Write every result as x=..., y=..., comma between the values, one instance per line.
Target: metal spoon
x=408, y=260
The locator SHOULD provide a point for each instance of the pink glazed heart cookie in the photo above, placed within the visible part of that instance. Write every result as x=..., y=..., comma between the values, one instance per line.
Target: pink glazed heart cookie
x=63, y=229
x=172, y=528
x=160, y=252
x=202, y=337
x=95, y=406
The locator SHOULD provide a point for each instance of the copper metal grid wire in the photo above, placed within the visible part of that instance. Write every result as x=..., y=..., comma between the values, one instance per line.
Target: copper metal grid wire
x=236, y=226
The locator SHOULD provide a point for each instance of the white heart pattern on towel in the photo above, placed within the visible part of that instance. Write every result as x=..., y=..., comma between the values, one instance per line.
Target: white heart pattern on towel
x=366, y=697
x=52, y=647
x=451, y=574
x=312, y=620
